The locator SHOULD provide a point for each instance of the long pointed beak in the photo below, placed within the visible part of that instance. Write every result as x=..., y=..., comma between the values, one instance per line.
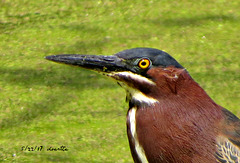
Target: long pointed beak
x=93, y=62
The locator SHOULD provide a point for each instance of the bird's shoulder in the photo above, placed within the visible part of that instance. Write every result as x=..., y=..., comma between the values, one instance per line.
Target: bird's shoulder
x=228, y=141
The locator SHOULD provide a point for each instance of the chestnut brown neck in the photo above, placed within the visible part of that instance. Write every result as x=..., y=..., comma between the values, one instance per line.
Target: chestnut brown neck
x=183, y=110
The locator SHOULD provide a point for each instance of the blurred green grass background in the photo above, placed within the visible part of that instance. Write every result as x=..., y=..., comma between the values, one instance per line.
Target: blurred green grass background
x=50, y=105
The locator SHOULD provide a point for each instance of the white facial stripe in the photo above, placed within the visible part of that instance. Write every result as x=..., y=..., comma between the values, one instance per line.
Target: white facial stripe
x=139, y=96
x=136, y=95
x=132, y=76
x=138, y=147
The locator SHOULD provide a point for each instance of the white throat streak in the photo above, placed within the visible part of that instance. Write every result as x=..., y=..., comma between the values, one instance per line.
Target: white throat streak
x=139, y=150
x=139, y=97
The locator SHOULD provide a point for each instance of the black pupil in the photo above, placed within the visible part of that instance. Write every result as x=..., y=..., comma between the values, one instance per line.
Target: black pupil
x=144, y=63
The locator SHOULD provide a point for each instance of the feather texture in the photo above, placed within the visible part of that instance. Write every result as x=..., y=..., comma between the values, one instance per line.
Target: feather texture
x=185, y=125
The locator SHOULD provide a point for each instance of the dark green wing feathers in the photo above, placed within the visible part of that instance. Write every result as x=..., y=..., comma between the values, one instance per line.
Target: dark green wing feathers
x=228, y=143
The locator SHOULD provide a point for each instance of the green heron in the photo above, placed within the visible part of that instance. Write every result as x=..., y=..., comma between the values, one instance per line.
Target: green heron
x=170, y=117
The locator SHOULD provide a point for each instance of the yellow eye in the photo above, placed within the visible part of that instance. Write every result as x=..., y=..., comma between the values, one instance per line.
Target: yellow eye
x=144, y=63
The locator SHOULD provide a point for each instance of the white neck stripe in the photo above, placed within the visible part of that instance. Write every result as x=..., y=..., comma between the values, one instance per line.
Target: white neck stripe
x=139, y=150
